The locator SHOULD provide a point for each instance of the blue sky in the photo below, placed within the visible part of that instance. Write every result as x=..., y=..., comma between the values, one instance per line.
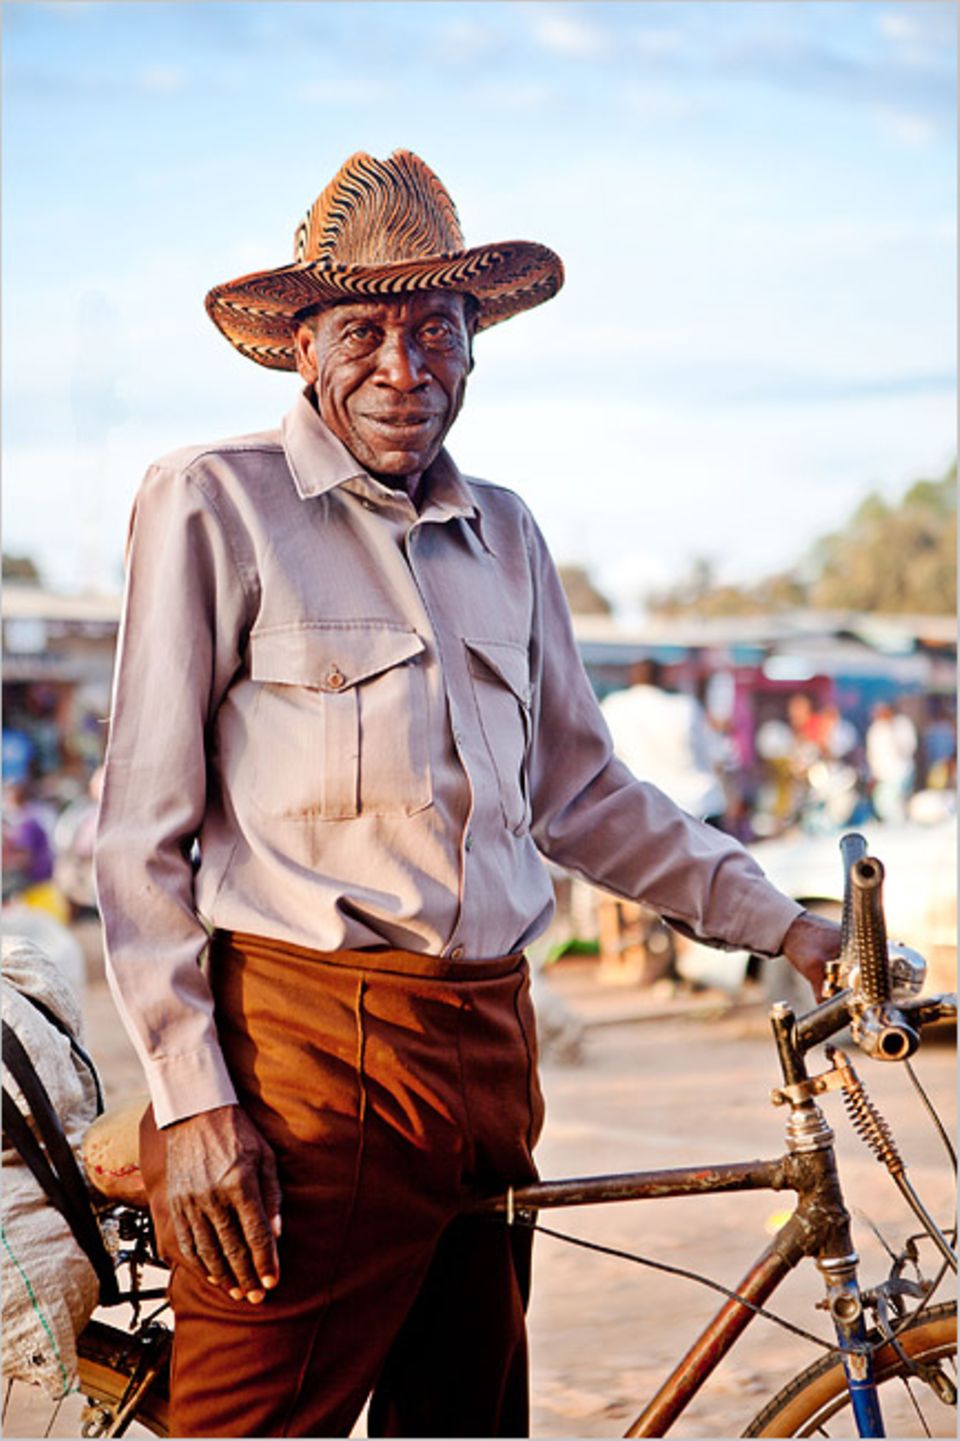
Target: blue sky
x=755, y=203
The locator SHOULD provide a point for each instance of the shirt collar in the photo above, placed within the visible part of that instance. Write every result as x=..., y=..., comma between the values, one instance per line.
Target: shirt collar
x=320, y=462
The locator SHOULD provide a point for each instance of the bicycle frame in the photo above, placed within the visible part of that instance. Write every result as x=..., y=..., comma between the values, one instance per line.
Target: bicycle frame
x=819, y=1226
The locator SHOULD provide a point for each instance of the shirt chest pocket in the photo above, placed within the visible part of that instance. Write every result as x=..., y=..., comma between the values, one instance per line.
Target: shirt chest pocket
x=500, y=676
x=340, y=727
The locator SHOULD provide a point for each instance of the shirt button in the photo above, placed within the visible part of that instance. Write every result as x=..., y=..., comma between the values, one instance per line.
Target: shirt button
x=457, y=953
x=335, y=679
x=468, y=841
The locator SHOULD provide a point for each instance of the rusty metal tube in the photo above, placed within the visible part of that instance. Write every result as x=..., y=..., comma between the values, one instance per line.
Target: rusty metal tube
x=645, y=1185
x=716, y=1339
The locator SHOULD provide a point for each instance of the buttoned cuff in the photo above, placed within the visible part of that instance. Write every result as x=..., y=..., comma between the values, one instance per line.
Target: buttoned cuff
x=761, y=928
x=184, y=1085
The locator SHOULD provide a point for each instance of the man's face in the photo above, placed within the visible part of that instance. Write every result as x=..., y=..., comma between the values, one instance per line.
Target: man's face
x=390, y=376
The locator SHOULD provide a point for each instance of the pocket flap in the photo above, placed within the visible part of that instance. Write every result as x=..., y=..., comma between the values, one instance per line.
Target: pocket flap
x=508, y=661
x=329, y=657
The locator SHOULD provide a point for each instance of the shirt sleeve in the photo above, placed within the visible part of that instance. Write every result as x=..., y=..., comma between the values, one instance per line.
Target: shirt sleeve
x=180, y=641
x=592, y=816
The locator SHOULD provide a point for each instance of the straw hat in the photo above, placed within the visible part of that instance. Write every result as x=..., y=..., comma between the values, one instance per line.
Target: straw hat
x=381, y=227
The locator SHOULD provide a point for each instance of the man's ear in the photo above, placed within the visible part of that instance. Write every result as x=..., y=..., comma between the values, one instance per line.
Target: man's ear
x=305, y=352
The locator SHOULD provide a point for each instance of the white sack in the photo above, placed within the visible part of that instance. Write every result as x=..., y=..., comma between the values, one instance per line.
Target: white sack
x=50, y=1288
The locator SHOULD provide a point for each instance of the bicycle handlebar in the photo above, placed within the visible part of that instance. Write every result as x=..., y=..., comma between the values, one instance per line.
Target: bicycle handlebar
x=853, y=847
x=840, y=1010
x=880, y=1028
x=868, y=939
x=880, y=1002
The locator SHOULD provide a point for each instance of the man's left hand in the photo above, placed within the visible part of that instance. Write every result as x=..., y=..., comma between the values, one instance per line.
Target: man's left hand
x=809, y=944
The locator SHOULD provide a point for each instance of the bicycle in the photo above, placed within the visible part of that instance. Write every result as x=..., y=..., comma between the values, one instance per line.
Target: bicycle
x=874, y=992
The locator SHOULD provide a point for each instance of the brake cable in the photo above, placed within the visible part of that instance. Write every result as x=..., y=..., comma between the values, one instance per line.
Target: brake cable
x=933, y=1114
x=524, y=1218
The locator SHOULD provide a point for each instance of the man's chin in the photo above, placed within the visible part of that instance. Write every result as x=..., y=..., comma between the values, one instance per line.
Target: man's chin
x=396, y=465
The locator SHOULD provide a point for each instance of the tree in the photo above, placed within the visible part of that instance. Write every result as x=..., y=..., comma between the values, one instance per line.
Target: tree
x=697, y=594
x=895, y=559
x=21, y=568
x=890, y=558
x=582, y=595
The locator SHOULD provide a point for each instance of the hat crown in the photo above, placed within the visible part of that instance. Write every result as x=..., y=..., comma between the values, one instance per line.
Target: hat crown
x=375, y=212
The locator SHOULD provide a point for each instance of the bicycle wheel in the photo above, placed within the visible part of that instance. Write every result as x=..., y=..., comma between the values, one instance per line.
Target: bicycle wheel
x=108, y=1359
x=817, y=1403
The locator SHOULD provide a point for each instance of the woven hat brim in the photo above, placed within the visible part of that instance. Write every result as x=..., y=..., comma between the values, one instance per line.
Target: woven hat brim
x=256, y=312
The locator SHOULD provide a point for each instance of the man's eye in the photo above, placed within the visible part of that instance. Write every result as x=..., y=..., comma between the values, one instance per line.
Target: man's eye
x=438, y=332
x=361, y=333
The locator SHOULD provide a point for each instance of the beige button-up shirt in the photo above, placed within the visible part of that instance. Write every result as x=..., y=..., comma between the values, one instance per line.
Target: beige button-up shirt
x=375, y=721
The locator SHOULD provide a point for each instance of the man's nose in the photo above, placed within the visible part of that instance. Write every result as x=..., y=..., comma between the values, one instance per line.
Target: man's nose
x=400, y=363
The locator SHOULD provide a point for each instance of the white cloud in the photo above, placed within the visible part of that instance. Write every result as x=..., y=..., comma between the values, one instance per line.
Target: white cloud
x=897, y=25
x=658, y=106
x=909, y=127
x=657, y=42
x=71, y=9
x=565, y=32
x=462, y=41
x=162, y=80
x=344, y=90
x=520, y=95
x=918, y=45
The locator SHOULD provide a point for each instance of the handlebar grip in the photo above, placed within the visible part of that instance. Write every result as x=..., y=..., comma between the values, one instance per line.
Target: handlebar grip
x=853, y=847
x=868, y=931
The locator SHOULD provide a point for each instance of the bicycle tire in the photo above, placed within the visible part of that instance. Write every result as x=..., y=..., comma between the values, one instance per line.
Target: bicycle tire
x=107, y=1359
x=818, y=1394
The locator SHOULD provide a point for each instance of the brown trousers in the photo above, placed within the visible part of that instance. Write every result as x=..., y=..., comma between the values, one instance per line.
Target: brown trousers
x=390, y=1086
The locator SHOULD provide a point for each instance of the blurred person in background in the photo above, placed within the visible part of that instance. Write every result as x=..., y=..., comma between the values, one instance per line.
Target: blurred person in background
x=663, y=735
x=28, y=855
x=834, y=795
x=891, y=752
x=939, y=747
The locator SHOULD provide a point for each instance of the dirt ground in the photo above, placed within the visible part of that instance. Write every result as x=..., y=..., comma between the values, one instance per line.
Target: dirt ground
x=660, y=1084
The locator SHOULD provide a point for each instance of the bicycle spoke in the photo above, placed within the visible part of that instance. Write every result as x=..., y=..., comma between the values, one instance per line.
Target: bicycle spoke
x=916, y=1405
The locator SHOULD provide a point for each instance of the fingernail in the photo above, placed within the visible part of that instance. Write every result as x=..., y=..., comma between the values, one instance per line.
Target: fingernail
x=211, y=1280
x=276, y=1225
x=255, y=1297
x=268, y=1282
x=236, y=1294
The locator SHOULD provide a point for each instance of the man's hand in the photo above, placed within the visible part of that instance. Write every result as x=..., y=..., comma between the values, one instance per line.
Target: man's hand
x=225, y=1200
x=809, y=944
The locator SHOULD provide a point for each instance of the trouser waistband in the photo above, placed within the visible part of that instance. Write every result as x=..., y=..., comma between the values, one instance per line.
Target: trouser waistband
x=392, y=961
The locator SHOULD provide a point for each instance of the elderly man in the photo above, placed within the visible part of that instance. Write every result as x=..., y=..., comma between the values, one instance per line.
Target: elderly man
x=347, y=671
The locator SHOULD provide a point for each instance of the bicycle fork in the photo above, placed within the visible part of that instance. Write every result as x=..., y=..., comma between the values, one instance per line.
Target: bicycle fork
x=810, y=1143
x=846, y=1308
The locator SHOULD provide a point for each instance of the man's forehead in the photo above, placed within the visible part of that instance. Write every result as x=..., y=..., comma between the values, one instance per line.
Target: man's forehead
x=401, y=307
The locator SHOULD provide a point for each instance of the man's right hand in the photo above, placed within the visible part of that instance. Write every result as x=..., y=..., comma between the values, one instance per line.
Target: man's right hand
x=225, y=1200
